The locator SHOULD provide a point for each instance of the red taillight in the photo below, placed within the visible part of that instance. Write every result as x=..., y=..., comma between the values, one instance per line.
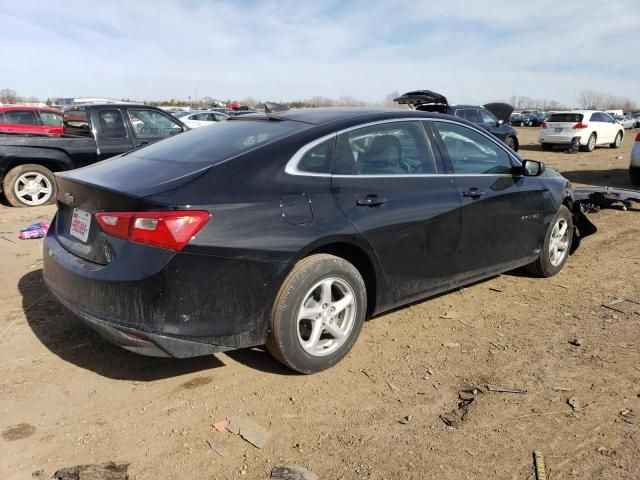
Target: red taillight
x=580, y=125
x=543, y=125
x=172, y=229
x=638, y=137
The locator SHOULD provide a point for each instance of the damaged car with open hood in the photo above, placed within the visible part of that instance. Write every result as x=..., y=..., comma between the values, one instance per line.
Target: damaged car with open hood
x=493, y=117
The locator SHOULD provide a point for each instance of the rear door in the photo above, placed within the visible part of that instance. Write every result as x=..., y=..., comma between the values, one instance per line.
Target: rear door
x=386, y=181
x=21, y=122
x=112, y=135
x=502, y=214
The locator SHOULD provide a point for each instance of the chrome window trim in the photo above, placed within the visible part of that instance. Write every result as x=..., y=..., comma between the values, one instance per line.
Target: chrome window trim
x=292, y=165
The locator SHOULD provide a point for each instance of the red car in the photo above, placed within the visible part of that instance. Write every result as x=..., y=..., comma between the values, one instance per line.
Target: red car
x=20, y=120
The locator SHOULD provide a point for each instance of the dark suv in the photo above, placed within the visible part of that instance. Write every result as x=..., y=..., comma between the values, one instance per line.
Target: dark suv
x=493, y=117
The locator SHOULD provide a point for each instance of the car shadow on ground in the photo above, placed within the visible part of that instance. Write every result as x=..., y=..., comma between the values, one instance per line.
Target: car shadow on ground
x=67, y=337
x=615, y=177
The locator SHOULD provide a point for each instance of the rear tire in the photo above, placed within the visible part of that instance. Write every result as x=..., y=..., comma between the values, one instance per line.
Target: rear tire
x=591, y=143
x=556, y=247
x=547, y=146
x=29, y=185
x=318, y=314
x=618, y=140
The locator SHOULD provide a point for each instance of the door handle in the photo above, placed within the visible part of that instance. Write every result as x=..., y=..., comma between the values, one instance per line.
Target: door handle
x=473, y=193
x=371, y=201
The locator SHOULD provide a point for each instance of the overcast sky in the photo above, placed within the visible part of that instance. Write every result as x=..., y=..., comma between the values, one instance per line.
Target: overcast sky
x=471, y=51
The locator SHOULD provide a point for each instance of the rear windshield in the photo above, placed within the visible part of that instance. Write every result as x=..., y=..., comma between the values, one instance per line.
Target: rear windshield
x=566, y=117
x=214, y=144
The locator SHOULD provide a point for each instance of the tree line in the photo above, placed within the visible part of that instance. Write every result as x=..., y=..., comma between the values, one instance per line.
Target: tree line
x=587, y=99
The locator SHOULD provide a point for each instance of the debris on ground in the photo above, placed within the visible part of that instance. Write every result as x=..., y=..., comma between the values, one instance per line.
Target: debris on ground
x=493, y=289
x=253, y=433
x=497, y=388
x=35, y=230
x=576, y=342
x=292, y=472
x=102, y=471
x=467, y=398
x=393, y=387
x=451, y=344
x=604, y=197
x=219, y=449
x=574, y=404
x=623, y=305
x=405, y=420
x=450, y=315
x=538, y=460
x=628, y=416
x=221, y=425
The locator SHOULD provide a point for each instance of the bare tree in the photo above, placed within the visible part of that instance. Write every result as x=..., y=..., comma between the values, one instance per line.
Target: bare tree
x=7, y=95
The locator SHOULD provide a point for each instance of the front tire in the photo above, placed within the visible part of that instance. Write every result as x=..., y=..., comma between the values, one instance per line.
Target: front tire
x=318, y=314
x=618, y=140
x=29, y=185
x=556, y=247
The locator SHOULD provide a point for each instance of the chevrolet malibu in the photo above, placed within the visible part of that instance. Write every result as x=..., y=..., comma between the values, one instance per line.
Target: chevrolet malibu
x=290, y=229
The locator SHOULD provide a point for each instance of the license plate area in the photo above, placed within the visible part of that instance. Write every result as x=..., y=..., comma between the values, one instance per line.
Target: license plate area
x=557, y=129
x=80, y=224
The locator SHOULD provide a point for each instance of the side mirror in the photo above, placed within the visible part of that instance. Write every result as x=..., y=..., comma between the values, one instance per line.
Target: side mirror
x=532, y=168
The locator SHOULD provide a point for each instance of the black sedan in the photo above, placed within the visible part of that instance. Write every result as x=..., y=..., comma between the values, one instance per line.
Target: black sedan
x=289, y=229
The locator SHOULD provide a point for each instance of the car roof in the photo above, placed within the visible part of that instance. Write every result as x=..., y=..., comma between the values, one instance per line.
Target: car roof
x=577, y=111
x=319, y=116
x=8, y=108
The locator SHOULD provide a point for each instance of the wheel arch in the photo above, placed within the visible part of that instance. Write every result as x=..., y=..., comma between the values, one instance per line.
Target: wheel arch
x=361, y=257
x=54, y=161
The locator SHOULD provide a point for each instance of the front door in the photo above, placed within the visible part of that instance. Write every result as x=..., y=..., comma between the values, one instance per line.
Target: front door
x=502, y=213
x=385, y=180
x=150, y=126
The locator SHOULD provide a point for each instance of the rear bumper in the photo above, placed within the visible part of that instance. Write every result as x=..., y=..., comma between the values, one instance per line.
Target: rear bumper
x=184, y=305
x=562, y=139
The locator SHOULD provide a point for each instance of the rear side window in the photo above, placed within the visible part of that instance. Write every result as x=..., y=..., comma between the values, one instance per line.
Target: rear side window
x=471, y=152
x=21, y=117
x=111, y=124
x=51, y=119
x=318, y=159
x=210, y=146
x=396, y=148
x=565, y=117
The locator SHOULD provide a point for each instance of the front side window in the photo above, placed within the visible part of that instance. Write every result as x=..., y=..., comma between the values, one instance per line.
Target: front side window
x=21, y=117
x=395, y=148
x=470, y=114
x=487, y=117
x=471, y=152
x=51, y=119
x=111, y=124
x=152, y=124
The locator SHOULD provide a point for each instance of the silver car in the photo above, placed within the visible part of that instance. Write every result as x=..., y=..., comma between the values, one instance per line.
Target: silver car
x=634, y=166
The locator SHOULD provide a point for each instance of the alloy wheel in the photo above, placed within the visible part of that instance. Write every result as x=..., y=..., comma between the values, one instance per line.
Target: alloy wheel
x=559, y=242
x=33, y=188
x=326, y=316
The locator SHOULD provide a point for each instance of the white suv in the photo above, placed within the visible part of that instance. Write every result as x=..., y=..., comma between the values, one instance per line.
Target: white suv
x=588, y=127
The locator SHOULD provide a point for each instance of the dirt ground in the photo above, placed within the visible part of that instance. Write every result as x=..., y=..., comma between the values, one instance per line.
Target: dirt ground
x=67, y=397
